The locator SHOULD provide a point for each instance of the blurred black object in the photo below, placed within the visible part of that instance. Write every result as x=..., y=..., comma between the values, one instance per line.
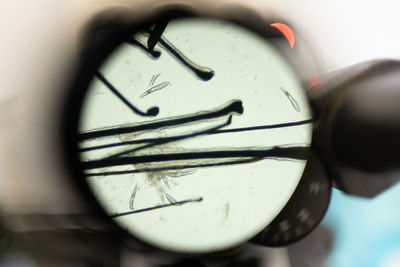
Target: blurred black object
x=358, y=126
x=313, y=250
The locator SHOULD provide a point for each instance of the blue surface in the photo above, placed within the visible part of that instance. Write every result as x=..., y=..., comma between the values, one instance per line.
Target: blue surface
x=366, y=231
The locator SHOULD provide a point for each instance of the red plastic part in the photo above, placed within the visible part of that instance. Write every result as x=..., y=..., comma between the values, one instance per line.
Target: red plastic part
x=286, y=31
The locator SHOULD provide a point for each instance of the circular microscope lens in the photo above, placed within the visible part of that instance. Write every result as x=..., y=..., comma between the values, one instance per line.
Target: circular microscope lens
x=194, y=135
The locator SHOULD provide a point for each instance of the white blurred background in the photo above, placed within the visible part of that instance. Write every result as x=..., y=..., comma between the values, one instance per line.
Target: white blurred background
x=340, y=32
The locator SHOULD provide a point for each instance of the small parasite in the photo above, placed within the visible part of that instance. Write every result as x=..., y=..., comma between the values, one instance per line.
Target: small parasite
x=176, y=174
x=226, y=211
x=153, y=79
x=133, y=195
x=155, y=88
x=170, y=199
x=291, y=99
